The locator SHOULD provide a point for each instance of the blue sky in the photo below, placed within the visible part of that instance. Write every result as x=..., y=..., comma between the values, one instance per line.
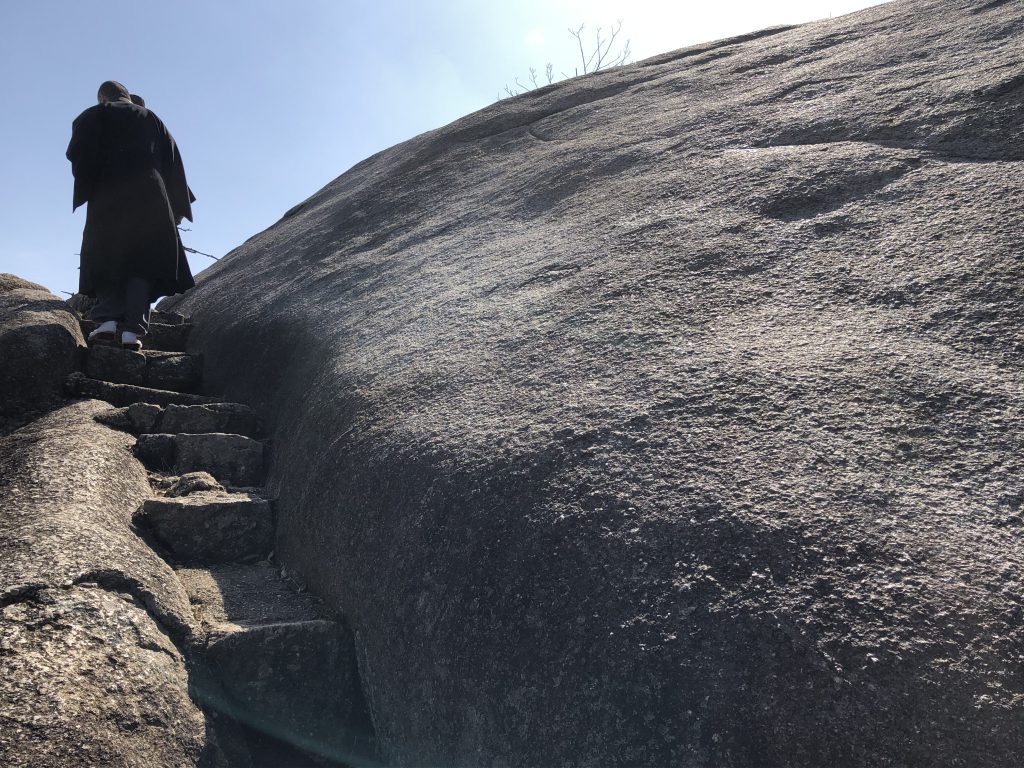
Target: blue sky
x=269, y=101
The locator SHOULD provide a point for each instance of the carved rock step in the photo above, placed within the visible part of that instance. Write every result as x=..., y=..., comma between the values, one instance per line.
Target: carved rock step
x=295, y=680
x=272, y=662
x=230, y=598
x=161, y=336
x=174, y=371
x=120, y=395
x=210, y=527
x=232, y=459
x=143, y=418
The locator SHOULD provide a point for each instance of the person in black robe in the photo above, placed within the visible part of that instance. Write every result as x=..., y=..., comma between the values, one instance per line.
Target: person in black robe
x=128, y=169
x=136, y=99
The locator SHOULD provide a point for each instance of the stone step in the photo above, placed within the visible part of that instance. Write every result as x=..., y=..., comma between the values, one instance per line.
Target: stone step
x=210, y=527
x=143, y=418
x=230, y=598
x=273, y=662
x=174, y=371
x=161, y=336
x=234, y=460
x=294, y=679
x=121, y=395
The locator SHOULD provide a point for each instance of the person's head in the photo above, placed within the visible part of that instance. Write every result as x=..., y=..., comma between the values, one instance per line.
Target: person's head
x=112, y=90
x=136, y=99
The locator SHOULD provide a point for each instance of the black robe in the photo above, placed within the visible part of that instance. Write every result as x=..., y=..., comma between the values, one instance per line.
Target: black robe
x=127, y=167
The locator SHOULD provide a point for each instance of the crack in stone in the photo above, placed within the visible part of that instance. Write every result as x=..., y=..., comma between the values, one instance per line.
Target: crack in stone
x=175, y=629
x=22, y=593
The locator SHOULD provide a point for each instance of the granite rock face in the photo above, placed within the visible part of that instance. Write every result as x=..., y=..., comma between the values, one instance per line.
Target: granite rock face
x=91, y=618
x=670, y=415
x=40, y=344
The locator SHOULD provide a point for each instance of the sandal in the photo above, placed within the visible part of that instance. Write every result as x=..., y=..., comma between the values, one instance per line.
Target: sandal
x=104, y=334
x=131, y=341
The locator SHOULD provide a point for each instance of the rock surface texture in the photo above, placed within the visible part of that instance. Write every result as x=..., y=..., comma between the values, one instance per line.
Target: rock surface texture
x=40, y=344
x=112, y=652
x=89, y=673
x=670, y=415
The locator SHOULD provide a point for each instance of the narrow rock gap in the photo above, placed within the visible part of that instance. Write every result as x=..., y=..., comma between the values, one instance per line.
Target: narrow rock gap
x=274, y=671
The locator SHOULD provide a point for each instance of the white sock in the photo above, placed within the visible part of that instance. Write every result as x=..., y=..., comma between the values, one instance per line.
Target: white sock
x=108, y=327
x=127, y=337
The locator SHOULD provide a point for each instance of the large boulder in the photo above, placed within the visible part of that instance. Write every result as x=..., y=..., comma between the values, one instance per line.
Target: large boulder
x=40, y=344
x=670, y=415
x=91, y=619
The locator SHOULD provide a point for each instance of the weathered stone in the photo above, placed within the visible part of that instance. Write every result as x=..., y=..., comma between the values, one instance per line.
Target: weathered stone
x=159, y=481
x=167, y=318
x=173, y=370
x=116, y=365
x=79, y=385
x=210, y=527
x=68, y=489
x=673, y=413
x=81, y=304
x=40, y=344
x=89, y=678
x=193, y=482
x=170, y=338
x=90, y=673
x=232, y=459
x=267, y=687
x=116, y=418
x=194, y=419
x=232, y=418
x=144, y=417
x=157, y=451
x=228, y=598
x=296, y=681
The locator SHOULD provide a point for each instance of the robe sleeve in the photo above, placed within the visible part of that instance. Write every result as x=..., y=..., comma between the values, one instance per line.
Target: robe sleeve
x=173, y=171
x=84, y=154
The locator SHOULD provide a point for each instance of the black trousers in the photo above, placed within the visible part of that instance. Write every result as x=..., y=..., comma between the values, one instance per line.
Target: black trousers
x=127, y=303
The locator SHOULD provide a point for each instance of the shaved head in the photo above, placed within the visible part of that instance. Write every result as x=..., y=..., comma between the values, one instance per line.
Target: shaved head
x=112, y=90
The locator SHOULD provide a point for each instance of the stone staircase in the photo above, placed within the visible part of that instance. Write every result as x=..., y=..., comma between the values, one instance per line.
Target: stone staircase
x=276, y=673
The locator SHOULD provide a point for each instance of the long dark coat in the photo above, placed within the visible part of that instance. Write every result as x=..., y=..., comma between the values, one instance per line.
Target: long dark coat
x=127, y=167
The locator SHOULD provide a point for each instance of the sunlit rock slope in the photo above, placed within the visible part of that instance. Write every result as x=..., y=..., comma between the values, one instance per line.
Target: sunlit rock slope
x=89, y=674
x=671, y=415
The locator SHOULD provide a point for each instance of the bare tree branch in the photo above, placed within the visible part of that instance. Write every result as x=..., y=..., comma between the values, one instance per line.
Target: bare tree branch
x=603, y=56
x=578, y=34
x=621, y=58
x=587, y=67
x=604, y=47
